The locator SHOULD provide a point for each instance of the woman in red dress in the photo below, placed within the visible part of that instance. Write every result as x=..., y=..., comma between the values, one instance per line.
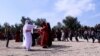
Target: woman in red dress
x=17, y=36
x=44, y=35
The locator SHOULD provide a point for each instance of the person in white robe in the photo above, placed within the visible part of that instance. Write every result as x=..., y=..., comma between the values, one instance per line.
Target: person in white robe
x=27, y=41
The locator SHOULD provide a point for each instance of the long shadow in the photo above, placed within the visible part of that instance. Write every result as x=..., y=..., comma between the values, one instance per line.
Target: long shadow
x=16, y=47
x=52, y=49
x=59, y=47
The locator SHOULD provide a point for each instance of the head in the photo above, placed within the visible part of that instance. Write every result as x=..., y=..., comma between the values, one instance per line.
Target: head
x=27, y=22
x=43, y=24
x=48, y=24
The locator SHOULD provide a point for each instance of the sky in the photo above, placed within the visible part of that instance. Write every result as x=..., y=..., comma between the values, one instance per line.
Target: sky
x=87, y=11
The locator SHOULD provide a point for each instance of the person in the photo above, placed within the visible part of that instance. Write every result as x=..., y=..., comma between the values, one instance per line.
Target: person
x=76, y=35
x=8, y=36
x=86, y=35
x=1, y=36
x=92, y=35
x=27, y=42
x=44, y=35
x=58, y=33
x=35, y=35
x=98, y=35
x=17, y=36
x=49, y=35
x=65, y=31
x=53, y=34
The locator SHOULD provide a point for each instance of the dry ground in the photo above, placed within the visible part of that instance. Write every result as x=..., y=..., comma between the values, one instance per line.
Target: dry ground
x=62, y=48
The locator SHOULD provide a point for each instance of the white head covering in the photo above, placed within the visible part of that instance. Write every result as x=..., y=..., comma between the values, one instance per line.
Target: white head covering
x=27, y=21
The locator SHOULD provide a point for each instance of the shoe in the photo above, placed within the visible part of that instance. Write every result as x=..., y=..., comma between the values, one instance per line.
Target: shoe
x=44, y=46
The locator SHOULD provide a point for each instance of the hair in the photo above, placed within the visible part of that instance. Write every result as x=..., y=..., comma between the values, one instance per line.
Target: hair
x=48, y=24
x=43, y=24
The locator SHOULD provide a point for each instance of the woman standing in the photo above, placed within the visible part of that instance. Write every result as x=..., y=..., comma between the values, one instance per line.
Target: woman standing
x=44, y=35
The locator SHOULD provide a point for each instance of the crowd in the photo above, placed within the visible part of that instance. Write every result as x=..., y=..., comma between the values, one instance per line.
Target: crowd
x=44, y=35
x=66, y=34
x=29, y=34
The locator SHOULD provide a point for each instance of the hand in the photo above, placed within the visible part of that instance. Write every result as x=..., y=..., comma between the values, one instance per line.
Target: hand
x=39, y=28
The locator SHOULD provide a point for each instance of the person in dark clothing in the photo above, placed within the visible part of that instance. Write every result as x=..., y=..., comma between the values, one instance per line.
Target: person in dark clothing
x=92, y=35
x=97, y=35
x=80, y=33
x=33, y=39
x=65, y=34
x=53, y=34
x=35, y=35
x=58, y=33
x=7, y=35
x=71, y=35
x=49, y=35
x=2, y=36
x=86, y=35
x=76, y=36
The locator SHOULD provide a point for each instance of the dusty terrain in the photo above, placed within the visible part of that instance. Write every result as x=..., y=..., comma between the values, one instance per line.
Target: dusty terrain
x=59, y=48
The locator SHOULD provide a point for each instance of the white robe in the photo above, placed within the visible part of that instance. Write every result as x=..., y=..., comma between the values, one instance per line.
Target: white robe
x=27, y=42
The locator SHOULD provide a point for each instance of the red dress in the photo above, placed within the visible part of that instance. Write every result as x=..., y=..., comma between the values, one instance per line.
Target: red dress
x=44, y=36
x=17, y=36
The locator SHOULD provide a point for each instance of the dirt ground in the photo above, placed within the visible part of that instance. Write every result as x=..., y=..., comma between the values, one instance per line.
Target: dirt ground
x=59, y=48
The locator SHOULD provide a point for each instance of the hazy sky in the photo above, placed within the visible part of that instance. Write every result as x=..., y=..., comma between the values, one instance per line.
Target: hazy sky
x=54, y=11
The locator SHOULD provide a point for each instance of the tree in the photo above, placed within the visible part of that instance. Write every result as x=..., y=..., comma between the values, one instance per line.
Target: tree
x=97, y=26
x=18, y=27
x=6, y=25
x=58, y=26
x=13, y=29
x=23, y=20
x=39, y=21
x=0, y=26
x=71, y=23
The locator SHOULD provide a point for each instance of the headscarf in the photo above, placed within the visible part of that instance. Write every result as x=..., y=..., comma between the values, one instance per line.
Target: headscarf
x=27, y=21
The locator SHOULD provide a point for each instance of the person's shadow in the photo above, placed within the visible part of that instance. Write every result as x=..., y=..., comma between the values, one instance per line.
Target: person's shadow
x=52, y=49
x=57, y=48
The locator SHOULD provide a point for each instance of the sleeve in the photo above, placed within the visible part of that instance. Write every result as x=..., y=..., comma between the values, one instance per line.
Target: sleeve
x=33, y=26
x=44, y=28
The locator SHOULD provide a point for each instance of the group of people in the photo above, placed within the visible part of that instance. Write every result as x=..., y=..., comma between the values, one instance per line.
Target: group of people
x=45, y=35
x=67, y=34
x=44, y=32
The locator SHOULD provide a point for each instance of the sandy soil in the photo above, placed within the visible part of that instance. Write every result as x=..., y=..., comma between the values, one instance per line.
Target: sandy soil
x=59, y=48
